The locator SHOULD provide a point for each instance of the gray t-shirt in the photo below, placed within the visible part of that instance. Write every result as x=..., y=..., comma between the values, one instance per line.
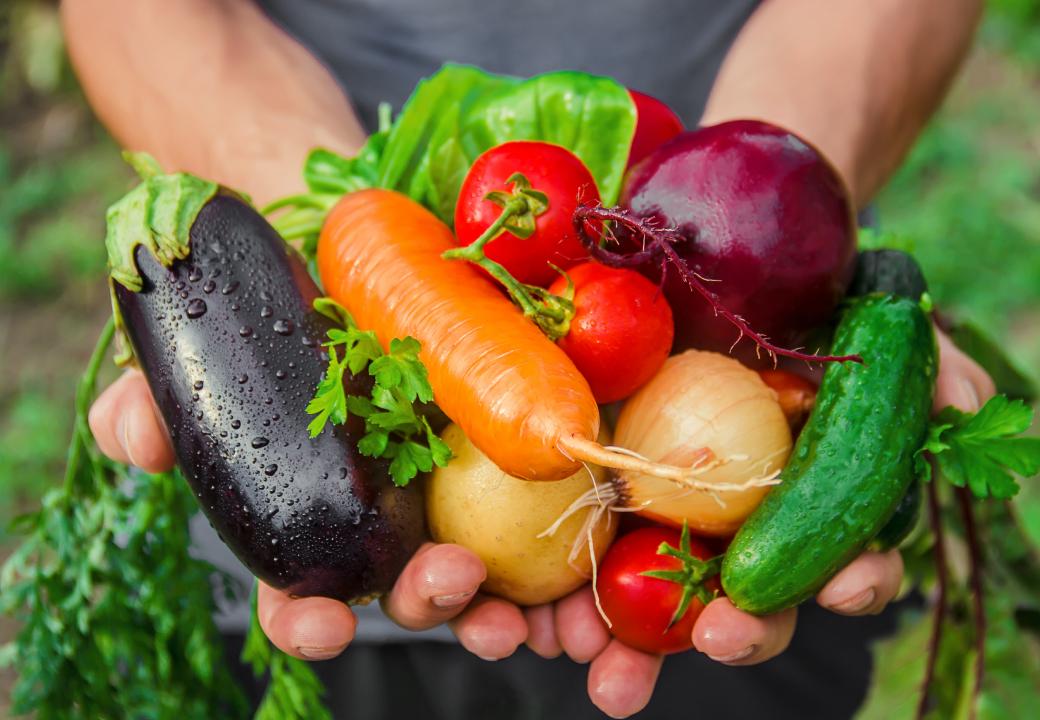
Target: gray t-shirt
x=378, y=49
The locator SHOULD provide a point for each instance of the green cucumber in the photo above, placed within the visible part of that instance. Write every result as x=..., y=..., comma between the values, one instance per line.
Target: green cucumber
x=895, y=272
x=903, y=520
x=888, y=271
x=851, y=465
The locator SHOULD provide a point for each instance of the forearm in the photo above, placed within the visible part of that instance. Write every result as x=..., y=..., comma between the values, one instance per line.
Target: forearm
x=208, y=86
x=857, y=79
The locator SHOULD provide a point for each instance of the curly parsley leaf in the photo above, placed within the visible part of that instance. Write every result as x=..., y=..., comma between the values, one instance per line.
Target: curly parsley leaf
x=393, y=427
x=981, y=451
x=330, y=400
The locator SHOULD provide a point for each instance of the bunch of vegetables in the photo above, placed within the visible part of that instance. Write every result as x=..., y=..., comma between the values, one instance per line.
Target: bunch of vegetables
x=495, y=267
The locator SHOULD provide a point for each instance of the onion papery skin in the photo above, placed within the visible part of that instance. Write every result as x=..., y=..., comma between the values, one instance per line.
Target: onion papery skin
x=702, y=400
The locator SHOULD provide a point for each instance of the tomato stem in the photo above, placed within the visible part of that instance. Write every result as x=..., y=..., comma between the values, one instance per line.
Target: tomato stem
x=691, y=576
x=552, y=313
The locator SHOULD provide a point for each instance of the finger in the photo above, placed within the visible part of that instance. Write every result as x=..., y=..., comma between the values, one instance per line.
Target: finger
x=961, y=382
x=621, y=679
x=490, y=628
x=581, y=631
x=541, y=631
x=312, y=628
x=126, y=425
x=865, y=586
x=734, y=637
x=435, y=586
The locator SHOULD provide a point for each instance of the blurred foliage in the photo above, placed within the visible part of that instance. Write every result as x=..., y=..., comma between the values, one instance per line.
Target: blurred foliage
x=1015, y=26
x=58, y=170
x=968, y=200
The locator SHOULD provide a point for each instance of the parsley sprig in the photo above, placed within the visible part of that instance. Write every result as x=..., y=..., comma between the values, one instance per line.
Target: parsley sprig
x=394, y=429
x=981, y=451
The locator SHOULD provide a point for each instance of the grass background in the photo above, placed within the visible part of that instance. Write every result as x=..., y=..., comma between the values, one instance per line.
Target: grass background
x=967, y=198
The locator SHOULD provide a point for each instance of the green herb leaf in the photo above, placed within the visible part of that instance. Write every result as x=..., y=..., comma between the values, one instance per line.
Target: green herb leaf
x=330, y=400
x=981, y=451
x=409, y=459
x=393, y=427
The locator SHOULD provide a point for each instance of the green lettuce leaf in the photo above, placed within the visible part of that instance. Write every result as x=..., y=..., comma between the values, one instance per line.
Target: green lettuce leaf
x=592, y=116
x=460, y=111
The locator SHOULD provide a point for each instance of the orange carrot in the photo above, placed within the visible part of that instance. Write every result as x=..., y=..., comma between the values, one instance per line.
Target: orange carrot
x=513, y=392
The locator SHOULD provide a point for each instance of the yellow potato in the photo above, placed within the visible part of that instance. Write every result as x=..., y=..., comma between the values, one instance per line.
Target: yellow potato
x=499, y=517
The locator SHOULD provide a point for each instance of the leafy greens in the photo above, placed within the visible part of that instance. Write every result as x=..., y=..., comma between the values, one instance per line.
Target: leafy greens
x=450, y=119
x=394, y=429
x=981, y=450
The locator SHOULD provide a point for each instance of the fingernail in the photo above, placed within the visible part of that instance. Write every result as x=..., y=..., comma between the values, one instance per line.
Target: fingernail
x=969, y=396
x=487, y=659
x=124, y=435
x=856, y=603
x=450, y=601
x=735, y=656
x=320, y=653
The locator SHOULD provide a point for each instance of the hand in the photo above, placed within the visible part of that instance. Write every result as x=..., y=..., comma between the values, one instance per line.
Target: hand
x=621, y=679
x=436, y=585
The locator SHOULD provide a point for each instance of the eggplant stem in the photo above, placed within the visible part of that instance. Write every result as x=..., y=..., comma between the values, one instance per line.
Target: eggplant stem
x=978, y=606
x=658, y=247
x=939, y=554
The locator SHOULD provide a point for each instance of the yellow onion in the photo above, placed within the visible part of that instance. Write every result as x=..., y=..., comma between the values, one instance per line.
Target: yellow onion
x=697, y=401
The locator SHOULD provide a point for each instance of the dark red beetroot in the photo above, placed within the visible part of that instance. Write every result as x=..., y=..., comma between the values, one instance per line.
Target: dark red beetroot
x=762, y=215
x=656, y=124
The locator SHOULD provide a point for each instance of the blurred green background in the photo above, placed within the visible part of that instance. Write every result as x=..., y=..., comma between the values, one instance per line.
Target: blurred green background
x=967, y=198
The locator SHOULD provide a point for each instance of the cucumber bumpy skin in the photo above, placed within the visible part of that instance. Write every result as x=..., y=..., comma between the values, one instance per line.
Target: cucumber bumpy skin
x=851, y=466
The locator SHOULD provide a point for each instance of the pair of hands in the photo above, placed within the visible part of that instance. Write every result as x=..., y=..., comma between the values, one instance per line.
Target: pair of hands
x=440, y=583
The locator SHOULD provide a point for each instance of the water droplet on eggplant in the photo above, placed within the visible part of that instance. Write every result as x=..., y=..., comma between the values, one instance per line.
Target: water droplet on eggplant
x=284, y=326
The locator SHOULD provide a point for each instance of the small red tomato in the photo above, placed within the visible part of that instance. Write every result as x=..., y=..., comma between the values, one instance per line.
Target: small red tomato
x=550, y=169
x=656, y=124
x=642, y=608
x=796, y=395
x=621, y=332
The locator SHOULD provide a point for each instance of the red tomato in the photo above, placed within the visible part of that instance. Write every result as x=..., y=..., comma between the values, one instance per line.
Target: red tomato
x=551, y=169
x=656, y=124
x=621, y=332
x=640, y=608
x=795, y=394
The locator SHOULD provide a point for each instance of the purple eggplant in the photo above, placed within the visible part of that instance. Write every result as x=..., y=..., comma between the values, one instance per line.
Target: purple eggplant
x=224, y=329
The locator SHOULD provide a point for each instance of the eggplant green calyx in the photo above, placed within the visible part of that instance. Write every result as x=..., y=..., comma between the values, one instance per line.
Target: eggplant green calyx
x=157, y=214
x=692, y=576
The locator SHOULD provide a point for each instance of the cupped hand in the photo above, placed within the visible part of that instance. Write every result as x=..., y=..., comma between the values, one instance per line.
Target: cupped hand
x=621, y=679
x=436, y=585
x=440, y=582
